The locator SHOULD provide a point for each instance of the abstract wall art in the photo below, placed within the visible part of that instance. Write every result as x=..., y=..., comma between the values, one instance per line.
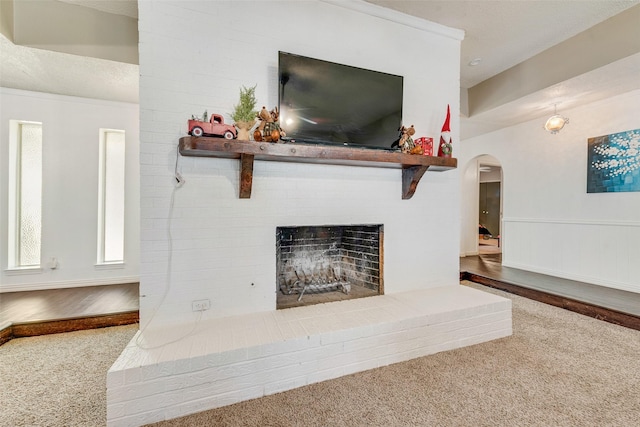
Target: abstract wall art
x=613, y=163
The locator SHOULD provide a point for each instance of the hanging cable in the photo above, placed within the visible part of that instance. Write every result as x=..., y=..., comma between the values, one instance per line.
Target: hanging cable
x=179, y=182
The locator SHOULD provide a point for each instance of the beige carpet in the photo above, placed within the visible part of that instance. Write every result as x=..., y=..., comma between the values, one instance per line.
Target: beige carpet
x=558, y=369
x=59, y=380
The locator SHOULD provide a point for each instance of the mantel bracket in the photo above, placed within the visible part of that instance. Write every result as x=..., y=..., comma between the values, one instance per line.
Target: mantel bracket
x=410, y=177
x=246, y=175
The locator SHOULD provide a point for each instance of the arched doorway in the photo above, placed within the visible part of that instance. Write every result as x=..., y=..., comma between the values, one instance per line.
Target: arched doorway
x=489, y=206
x=482, y=201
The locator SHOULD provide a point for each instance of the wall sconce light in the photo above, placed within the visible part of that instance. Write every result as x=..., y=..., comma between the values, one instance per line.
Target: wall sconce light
x=556, y=122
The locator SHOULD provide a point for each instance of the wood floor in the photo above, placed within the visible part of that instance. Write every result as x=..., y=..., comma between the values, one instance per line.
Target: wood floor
x=62, y=310
x=608, y=304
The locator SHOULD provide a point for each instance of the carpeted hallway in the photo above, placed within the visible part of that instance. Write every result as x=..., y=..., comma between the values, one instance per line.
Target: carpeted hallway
x=558, y=369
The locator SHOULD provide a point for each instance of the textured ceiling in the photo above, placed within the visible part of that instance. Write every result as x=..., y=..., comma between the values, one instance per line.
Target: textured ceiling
x=47, y=71
x=506, y=32
x=503, y=33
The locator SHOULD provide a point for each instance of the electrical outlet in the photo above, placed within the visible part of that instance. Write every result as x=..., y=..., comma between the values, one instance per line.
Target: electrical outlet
x=53, y=263
x=201, y=305
x=179, y=180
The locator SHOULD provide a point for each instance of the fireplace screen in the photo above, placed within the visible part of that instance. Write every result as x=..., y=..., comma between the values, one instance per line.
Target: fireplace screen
x=317, y=264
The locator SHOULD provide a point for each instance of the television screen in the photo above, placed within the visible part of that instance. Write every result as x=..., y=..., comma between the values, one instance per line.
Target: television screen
x=328, y=103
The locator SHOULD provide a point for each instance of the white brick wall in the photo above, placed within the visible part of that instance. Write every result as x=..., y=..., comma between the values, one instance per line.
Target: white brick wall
x=291, y=348
x=195, y=56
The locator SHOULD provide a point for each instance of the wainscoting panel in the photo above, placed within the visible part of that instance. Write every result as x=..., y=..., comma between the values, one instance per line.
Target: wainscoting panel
x=605, y=253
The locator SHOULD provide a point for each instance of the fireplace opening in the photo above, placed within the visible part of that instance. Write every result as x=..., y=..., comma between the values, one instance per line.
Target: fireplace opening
x=318, y=264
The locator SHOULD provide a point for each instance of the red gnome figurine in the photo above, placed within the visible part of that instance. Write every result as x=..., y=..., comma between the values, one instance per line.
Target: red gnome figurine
x=445, y=148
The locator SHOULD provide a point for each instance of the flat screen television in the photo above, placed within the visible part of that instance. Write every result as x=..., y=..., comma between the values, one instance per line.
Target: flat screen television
x=324, y=102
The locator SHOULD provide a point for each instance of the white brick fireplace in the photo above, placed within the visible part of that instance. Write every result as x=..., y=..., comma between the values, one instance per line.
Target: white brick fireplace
x=201, y=242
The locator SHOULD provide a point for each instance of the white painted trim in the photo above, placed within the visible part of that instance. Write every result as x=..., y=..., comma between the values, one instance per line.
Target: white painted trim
x=20, y=287
x=398, y=17
x=109, y=266
x=579, y=278
x=574, y=222
x=23, y=271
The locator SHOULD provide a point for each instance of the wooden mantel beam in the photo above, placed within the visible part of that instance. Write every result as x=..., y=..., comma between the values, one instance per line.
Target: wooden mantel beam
x=413, y=166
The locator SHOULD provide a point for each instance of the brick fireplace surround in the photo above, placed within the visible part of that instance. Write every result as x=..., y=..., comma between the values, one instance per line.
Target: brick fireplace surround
x=222, y=244
x=238, y=358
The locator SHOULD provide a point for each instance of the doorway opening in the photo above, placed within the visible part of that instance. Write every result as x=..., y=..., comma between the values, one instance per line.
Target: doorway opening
x=489, y=206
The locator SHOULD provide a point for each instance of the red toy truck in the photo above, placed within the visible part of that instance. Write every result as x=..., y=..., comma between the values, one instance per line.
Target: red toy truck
x=214, y=127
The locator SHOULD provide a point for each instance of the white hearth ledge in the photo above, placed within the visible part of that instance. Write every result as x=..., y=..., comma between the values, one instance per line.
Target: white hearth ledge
x=233, y=359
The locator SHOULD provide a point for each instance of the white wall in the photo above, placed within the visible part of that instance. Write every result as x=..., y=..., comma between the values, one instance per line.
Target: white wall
x=70, y=188
x=195, y=56
x=550, y=224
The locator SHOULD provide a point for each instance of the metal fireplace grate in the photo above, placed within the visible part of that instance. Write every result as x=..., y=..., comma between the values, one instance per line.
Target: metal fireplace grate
x=339, y=262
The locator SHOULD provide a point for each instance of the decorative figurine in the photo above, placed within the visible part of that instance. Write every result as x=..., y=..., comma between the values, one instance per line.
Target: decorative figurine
x=427, y=145
x=445, y=148
x=244, y=114
x=214, y=127
x=269, y=129
x=406, y=143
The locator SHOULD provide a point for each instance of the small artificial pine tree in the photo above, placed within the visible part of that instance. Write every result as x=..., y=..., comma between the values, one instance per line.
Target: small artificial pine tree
x=244, y=111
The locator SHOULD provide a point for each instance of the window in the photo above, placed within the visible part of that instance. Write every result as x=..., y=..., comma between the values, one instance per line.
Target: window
x=111, y=197
x=25, y=194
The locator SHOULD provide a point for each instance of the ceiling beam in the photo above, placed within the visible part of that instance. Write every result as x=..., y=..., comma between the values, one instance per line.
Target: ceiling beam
x=6, y=19
x=70, y=28
x=611, y=40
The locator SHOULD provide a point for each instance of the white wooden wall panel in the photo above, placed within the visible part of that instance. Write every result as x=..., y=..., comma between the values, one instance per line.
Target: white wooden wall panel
x=603, y=253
